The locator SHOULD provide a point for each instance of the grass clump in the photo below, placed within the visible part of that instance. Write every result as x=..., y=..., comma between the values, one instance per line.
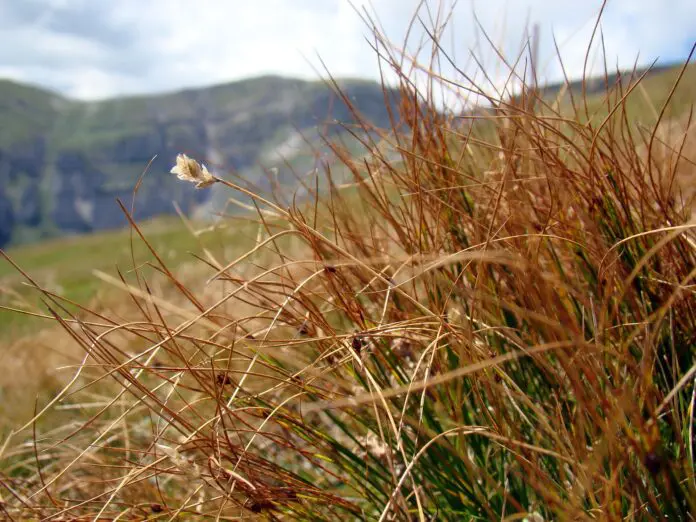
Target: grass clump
x=494, y=320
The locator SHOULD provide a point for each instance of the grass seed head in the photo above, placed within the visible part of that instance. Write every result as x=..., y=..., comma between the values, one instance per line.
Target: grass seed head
x=188, y=169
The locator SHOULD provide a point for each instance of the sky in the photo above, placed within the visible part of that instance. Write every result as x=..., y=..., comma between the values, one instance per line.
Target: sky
x=95, y=49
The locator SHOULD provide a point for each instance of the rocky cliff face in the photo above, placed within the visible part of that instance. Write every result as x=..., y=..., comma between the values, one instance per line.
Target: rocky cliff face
x=63, y=163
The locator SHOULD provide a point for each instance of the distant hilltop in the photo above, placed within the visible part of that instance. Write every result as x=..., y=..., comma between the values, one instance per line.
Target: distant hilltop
x=64, y=162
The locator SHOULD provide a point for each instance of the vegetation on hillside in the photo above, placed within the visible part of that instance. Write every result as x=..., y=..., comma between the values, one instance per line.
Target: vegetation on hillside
x=494, y=320
x=64, y=162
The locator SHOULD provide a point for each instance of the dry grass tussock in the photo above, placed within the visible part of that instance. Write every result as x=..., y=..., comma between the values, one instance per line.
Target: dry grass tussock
x=494, y=320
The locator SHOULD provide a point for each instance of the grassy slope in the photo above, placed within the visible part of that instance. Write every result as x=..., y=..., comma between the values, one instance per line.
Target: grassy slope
x=646, y=102
x=67, y=265
x=27, y=111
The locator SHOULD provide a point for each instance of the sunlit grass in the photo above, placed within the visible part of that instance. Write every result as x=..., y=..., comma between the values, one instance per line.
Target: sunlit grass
x=490, y=322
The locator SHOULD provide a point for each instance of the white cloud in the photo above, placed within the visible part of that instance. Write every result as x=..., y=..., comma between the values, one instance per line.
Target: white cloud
x=98, y=49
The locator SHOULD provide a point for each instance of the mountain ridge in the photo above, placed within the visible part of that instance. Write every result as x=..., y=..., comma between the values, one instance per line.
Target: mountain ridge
x=64, y=162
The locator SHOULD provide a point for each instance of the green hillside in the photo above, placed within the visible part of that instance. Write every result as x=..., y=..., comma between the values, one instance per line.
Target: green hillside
x=644, y=102
x=26, y=111
x=63, y=163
